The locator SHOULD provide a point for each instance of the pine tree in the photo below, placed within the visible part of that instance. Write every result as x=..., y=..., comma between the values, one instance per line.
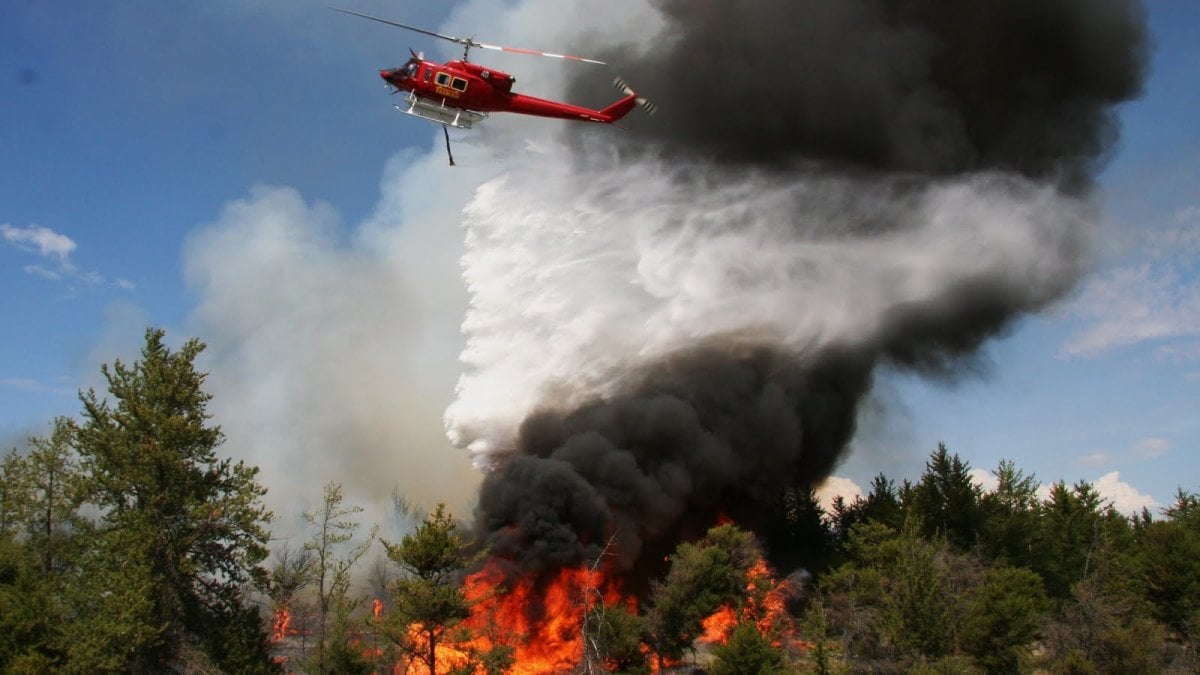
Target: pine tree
x=189, y=527
x=428, y=601
x=947, y=501
x=1011, y=516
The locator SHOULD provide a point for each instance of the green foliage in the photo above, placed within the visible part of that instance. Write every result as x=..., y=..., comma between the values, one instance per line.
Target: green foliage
x=947, y=501
x=617, y=638
x=429, y=598
x=919, y=608
x=703, y=577
x=1098, y=632
x=881, y=505
x=1002, y=619
x=191, y=525
x=1170, y=573
x=747, y=653
x=1010, y=516
x=329, y=567
x=1067, y=536
x=1185, y=510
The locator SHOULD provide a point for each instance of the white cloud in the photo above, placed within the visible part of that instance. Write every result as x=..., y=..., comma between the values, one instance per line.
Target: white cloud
x=1097, y=458
x=57, y=247
x=837, y=486
x=1149, y=448
x=48, y=243
x=985, y=479
x=1156, y=299
x=1124, y=497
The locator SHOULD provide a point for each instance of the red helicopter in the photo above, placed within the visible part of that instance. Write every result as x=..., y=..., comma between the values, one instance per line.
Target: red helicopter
x=461, y=93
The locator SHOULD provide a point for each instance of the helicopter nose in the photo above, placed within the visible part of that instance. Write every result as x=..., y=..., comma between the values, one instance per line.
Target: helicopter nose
x=386, y=75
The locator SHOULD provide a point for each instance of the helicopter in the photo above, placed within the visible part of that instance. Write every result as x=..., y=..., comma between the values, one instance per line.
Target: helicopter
x=460, y=93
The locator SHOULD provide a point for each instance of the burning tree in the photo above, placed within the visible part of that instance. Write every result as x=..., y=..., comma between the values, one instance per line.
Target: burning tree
x=428, y=602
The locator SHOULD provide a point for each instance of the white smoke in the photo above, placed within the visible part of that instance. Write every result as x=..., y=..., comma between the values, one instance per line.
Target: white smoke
x=332, y=350
x=579, y=273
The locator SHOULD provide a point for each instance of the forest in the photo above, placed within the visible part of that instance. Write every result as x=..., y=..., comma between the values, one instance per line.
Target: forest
x=129, y=544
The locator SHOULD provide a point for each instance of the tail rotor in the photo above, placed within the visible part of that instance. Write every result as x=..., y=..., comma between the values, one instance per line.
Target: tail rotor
x=624, y=88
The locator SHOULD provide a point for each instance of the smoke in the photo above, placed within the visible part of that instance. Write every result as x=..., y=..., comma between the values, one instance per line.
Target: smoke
x=332, y=351
x=683, y=320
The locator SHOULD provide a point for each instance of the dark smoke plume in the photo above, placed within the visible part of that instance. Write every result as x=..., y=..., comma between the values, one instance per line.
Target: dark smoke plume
x=866, y=132
x=923, y=86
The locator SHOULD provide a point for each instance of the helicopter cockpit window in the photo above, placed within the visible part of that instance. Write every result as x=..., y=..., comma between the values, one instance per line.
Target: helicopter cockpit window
x=410, y=70
x=459, y=84
x=428, y=73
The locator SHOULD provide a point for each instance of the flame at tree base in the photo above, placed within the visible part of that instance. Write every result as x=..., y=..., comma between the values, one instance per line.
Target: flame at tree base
x=540, y=618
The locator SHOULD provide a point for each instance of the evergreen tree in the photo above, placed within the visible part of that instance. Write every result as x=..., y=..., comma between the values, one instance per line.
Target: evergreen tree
x=1010, y=515
x=747, y=653
x=1185, y=510
x=180, y=532
x=947, y=501
x=1170, y=572
x=428, y=601
x=703, y=576
x=799, y=533
x=1067, y=536
x=53, y=481
x=617, y=638
x=1002, y=618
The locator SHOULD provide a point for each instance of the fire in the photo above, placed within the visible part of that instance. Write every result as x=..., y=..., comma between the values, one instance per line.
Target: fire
x=540, y=618
x=546, y=619
x=719, y=625
x=765, y=605
x=281, y=624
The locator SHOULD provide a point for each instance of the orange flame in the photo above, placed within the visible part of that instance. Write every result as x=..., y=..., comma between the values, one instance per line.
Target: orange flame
x=765, y=605
x=540, y=618
x=281, y=624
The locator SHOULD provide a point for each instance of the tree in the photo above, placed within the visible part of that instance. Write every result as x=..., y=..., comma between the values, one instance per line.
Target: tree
x=882, y=505
x=919, y=606
x=747, y=651
x=331, y=568
x=1002, y=618
x=799, y=533
x=1010, y=514
x=38, y=505
x=428, y=601
x=1170, y=572
x=191, y=525
x=1067, y=536
x=1185, y=510
x=947, y=501
x=703, y=577
x=616, y=635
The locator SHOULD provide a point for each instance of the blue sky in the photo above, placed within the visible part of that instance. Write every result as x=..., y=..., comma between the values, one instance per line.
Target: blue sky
x=133, y=134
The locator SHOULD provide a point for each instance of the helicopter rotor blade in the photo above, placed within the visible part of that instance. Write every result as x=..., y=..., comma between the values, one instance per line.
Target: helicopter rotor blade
x=469, y=42
x=451, y=38
x=534, y=52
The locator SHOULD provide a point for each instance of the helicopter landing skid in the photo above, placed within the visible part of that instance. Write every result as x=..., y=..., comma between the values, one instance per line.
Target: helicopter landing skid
x=439, y=113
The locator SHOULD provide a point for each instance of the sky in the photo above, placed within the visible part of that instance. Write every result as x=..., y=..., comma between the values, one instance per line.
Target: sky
x=234, y=171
